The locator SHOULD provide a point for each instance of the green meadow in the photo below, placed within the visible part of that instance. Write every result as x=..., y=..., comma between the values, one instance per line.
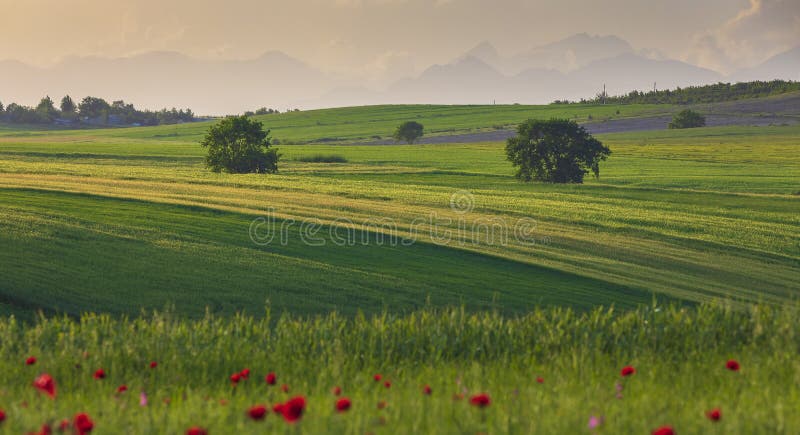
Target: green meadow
x=123, y=220
x=428, y=264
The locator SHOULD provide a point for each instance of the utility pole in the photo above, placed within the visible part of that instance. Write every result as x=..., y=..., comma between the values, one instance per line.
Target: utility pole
x=604, y=93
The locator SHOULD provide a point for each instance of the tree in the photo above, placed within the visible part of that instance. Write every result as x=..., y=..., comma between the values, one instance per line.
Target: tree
x=1, y=108
x=67, y=105
x=46, y=110
x=556, y=151
x=240, y=145
x=92, y=107
x=409, y=132
x=687, y=119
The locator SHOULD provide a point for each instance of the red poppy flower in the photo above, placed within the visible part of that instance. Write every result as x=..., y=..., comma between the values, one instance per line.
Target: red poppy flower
x=257, y=412
x=336, y=391
x=45, y=430
x=285, y=388
x=82, y=423
x=343, y=404
x=235, y=378
x=2, y=416
x=46, y=384
x=540, y=380
x=480, y=400
x=387, y=384
x=100, y=374
x=377, y=377
x=627, y=371
x=732, y=365
x=153, y=364
x=293, y=410
x=30, y=361
x=664, y=430
x=271, y=379
x=196, y=431
x=64, y=425
x=277, y=408
x=714, y=415
x=122, y=389
x=426, y=390
x=245, y=373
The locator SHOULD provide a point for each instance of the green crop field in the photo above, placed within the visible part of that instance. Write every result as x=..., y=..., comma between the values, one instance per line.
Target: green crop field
x=429, y=264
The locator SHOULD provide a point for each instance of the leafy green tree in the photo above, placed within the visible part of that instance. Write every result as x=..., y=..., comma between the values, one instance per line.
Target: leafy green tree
x=409, y=132
x=2, y=109
x=687, y=119
x=240, y=145
x=46, y=110
x=67, y=105
x=556, y=151
x=92, y=107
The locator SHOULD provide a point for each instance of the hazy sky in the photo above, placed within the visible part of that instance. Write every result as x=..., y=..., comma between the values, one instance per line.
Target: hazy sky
x=373, y=36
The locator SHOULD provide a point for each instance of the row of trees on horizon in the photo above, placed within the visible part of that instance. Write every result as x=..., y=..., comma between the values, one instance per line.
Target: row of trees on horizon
x=90, y=111
x=715, y=93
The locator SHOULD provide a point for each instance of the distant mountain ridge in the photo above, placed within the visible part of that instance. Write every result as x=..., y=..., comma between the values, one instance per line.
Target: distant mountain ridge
x=572, y=68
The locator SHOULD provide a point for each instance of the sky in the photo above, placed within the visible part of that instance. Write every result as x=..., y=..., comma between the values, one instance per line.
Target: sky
x=371, y=38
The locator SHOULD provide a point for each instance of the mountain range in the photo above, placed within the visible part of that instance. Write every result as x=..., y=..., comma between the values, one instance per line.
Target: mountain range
x=573, y=68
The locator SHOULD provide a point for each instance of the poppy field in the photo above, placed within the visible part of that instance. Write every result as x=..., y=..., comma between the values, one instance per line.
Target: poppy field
x=657, y=369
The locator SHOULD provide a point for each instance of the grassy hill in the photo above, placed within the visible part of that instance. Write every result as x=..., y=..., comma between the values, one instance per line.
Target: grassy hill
x=128, y=219
x=352, y=124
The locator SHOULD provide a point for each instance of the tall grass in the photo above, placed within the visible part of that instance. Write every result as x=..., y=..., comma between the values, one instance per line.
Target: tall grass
x=679, y=354
x=322, y=158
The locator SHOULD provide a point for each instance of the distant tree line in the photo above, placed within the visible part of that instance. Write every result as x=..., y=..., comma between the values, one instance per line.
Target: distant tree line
x=266, y=111
x=90, y=111
x=696, y=94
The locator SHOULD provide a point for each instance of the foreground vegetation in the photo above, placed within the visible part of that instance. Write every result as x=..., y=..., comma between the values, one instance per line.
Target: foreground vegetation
x=548, y=371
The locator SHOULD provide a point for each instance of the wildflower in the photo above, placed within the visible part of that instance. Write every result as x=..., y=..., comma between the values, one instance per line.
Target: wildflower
x=142, y=399
x=153, y=364
x=293, y=409
x=100, y=374
x=382, y=404
x=196, y=431
x=285, y=388
x=2, y=416
x=244, y=374
x=121, y=389
x=336, y=391
x=540, y=380
x=64, y=425
x=235, y=378
x=257, y=412
x=30, y=361
x=277, y=408
x=46, y=384
x=714, y=415
x=377, y=377
x=83, y=424
x=595, y=422
x=480, y=400
x=426, y=390
x=343, y=404
x=732, y=365
x=627, y=371
x=664, y=430
x=387, y=384
x=271, y=378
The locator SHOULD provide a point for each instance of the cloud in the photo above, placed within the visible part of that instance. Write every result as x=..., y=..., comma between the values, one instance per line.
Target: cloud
x=764, y=29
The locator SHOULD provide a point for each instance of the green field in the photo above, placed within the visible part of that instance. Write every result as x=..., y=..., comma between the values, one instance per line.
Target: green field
x=679, y=356
x=123, y=220
x=683, y=255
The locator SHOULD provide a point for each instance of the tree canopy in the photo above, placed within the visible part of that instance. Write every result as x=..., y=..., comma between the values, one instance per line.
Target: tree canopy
x=409, y=132
x=556, y=151
x=687, y=119
x=240, y=145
